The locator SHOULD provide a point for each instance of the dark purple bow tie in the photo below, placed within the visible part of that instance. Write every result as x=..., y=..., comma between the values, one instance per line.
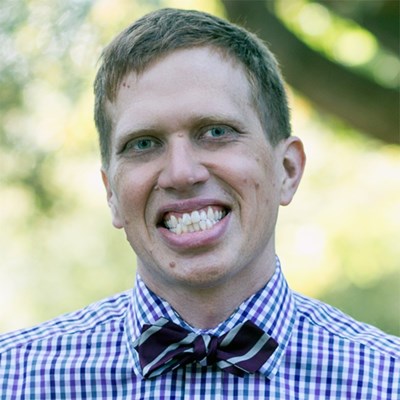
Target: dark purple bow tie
x=165, y=346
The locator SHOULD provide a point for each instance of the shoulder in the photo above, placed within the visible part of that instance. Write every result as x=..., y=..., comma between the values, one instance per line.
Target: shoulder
x=102, y=315
x=330, y=321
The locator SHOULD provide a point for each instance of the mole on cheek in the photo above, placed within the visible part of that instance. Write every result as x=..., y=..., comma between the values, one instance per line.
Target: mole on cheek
x=172, y=264
x=257, y=185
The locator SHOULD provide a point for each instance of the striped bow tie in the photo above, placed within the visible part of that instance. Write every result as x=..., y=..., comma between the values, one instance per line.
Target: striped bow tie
x=165, y=346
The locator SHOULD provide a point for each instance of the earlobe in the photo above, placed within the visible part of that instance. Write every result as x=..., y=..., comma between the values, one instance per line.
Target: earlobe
x=112, y=201
x=293, y=160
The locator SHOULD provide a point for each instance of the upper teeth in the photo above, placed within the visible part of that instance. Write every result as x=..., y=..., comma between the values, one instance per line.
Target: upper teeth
x=195, y=221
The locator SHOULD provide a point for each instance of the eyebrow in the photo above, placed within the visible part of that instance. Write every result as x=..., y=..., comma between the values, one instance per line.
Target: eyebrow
x=220, y=119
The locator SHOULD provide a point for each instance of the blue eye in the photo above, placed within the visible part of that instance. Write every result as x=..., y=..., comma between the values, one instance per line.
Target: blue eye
x=141, y=144
x=217, y=131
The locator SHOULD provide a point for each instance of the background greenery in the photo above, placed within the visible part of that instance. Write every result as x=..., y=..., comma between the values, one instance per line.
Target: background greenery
x=338, y=240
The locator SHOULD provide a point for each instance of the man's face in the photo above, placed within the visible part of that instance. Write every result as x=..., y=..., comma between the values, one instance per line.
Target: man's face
x=192, y=179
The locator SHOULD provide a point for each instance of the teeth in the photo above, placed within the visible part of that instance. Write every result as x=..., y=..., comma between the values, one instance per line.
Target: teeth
x=186, y=219
x=195, y=217
x=195, y=221
x=173, y=221
x=203, y=215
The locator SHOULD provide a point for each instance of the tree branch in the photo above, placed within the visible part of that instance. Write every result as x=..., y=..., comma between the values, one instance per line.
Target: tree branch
x=362, y=103
x=380, y=17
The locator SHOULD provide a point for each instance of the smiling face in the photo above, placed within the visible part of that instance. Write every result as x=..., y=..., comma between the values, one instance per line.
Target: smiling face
x=192, y=179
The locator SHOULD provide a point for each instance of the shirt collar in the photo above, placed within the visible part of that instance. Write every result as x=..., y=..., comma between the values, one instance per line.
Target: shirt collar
x=272, y=309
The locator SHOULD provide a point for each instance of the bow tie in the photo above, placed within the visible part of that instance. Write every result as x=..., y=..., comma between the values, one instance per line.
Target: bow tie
x=165, y=346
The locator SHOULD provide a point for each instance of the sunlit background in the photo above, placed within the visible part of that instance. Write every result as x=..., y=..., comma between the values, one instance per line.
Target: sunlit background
x=338, y=241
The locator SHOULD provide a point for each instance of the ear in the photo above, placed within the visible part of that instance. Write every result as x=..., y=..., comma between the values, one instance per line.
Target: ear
x=112, y=201
x=293, y=159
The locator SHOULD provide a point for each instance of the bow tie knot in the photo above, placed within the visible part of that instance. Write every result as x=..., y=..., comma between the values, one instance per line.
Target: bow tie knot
x=165, y=346
x=211, y=352
x=205, y=349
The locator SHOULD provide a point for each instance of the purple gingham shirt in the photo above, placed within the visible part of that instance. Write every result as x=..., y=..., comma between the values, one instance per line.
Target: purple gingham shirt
x=322, y=354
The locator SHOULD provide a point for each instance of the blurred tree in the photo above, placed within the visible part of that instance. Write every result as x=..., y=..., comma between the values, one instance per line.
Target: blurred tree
x=381, y=17
x=36, y=38
x=357, y=99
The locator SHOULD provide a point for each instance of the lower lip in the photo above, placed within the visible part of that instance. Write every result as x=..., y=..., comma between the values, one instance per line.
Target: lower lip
x=194, y=240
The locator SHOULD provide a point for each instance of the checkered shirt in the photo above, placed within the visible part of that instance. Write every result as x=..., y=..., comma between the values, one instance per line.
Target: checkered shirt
x=89, y=354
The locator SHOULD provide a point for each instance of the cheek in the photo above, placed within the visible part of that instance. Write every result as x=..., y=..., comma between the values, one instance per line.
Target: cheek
x=262, y=190
x=252, y=187
x=133, y=190
x=243, y=172
x=260, y=177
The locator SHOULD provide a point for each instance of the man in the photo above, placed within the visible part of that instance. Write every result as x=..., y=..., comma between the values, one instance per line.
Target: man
x=197, y=158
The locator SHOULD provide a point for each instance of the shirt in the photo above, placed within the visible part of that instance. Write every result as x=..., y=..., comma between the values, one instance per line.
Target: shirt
x=89, y=354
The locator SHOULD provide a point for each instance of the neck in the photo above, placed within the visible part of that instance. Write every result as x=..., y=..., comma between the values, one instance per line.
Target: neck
x=206, y=307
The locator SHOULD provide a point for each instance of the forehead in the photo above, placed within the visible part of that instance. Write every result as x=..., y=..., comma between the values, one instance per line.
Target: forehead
x=200, y=60
x=203, y=76
x=197, y=52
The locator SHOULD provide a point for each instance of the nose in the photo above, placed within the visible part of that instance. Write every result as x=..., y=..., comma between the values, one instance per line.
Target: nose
x=183, y=168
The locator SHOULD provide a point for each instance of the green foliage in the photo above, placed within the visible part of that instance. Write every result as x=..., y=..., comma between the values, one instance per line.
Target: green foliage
x=340, y=39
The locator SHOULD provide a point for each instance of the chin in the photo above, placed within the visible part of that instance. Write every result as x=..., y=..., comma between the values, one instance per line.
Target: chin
x=203, y=278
